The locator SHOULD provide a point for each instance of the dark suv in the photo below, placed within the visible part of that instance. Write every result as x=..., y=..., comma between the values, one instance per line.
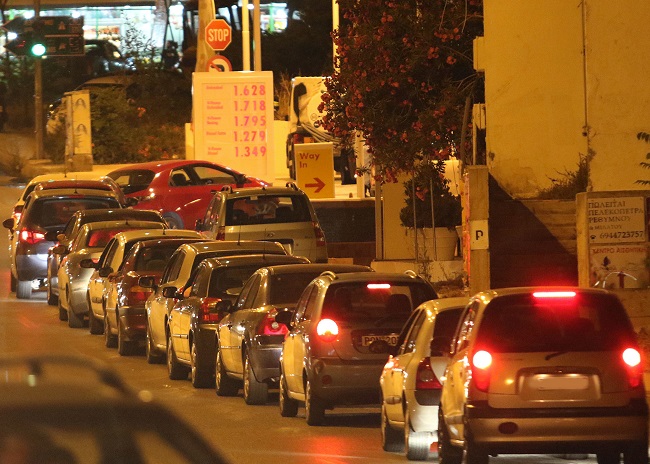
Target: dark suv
x=544, y=370
x=343, y=329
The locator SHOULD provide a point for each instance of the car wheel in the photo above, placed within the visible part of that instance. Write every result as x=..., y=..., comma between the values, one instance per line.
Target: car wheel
x=200, y=377
x=175, y=370
x=63, y=313
x=109, y=339
x=254, y=392
x=173, y=221
x=288, y=406
x=52, y=299
x=314, y=407
x=608, y=457
x=224, y=385
x=74, y=321
x=391, y=439
x=24, y=289
x=417, y=444
x=94, y=325
x=636, y=453
x=447, y=453
x=474, y=454
x=152, y=355
x=12, y=282
x=124, y=347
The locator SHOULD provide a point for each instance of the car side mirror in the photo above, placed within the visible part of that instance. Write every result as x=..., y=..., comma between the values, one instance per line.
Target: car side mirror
x=225, y=305
x=198, y=226
x=240, y=179
x=52, y=236
x=88, y=263
x=131, y=201
x=105, y=271
x=60, y=237
x=284, y=317
x=170, y=292
x=8, y=223
x=147, y=282
x=59, y=250
x=440, y=346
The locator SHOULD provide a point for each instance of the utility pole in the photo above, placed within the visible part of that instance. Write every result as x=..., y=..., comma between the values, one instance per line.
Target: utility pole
x=38, y=93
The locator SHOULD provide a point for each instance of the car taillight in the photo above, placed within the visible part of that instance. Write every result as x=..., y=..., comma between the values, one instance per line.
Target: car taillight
x=207, y=311
x=138, y=294
x=31, y=237
x=632, y=359
x=320, y=235
x=327, y=330
x=481, y=362
x=221, y=233
x=425, y=378
x=269, y=326
x=555, y=294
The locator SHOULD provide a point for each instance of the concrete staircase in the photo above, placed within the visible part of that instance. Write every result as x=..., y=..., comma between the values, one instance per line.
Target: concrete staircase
x=532, y=242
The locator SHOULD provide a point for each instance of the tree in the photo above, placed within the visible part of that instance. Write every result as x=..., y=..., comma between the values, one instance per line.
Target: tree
x=405, y=78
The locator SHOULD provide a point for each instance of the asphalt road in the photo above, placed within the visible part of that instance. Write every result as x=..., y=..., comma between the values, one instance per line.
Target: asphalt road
x=244, y=434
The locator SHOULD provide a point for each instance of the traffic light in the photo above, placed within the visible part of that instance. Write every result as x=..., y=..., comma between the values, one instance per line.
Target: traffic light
x=29, y=42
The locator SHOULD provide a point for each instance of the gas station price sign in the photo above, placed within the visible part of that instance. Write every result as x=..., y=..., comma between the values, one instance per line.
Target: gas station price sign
x=233, y=120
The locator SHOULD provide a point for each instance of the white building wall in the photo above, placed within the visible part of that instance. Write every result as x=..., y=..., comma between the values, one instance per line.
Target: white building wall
x=537, y=108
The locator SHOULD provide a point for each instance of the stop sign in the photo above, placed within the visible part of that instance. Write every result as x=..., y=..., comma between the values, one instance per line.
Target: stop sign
x=218, y=34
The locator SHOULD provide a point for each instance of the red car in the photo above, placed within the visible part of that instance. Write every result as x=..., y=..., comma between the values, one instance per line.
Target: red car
x=180, y=189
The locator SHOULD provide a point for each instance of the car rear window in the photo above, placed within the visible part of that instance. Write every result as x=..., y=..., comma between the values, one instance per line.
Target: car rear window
x=227, y=282
x=267, y=209
x=287, y=288
x=374, y=301
x=99, y=238
x=154, y=258
x=585, y=322
x=56, y=212
x=133, y=180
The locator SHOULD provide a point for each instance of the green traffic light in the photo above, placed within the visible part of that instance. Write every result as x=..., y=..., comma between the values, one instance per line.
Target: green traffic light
x=38, y=49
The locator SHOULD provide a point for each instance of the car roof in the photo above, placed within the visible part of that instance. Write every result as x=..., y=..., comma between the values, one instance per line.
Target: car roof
x=357, y=277
x=444, y=304
x=125, y=222
x=219, y=245
x=85, y=175
x=257, y=259
x=143, y=234
x=75, y=184
x=92, y=215
x=169, y=241
x=316, y=267
x=488, y=295
x=258, y=191
x=72, y=192
x=158, y=166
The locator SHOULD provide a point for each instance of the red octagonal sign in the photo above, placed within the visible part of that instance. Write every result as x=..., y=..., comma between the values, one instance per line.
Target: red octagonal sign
x=218, y=34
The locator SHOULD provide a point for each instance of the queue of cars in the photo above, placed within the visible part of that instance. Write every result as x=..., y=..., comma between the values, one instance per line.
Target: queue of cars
x=535, y=370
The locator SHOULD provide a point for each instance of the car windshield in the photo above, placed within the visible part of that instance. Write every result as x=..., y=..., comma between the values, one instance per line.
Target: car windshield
x=287, y=288
x=267, y=209
x=56, y=212
x=374, y=301
x=133, y=180
x=523, y=323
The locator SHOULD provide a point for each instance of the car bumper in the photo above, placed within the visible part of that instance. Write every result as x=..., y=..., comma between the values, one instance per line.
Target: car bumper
x=133, y=320
x=31, y=266
x=346, y=382
x=265, y=360
x=79, y=292
x=423, y=409
x=556, y=430
x=205, y=336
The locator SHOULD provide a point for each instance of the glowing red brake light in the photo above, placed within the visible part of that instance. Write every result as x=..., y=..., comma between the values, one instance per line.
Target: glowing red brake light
x=556, y=294
x=632, y=359
x=327, y=330
x=138, y=294
x=481, y=362
x=31, y=237
x=378, y=286
x=425, y=378
x=270, y=326
x=207, y=312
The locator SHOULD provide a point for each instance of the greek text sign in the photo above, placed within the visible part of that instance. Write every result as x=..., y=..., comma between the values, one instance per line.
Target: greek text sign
x=616, y=219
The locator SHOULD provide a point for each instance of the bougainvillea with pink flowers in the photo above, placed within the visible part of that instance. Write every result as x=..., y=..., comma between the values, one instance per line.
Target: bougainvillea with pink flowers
x=404, y=72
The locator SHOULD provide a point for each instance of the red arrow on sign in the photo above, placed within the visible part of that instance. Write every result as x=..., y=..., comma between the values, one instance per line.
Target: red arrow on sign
x=319, y=185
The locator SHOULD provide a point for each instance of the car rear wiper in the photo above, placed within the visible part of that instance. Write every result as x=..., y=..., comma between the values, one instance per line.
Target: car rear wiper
x=557, y=353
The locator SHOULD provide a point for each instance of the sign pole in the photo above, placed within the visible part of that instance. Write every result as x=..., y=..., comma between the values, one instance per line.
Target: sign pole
x=38, y=94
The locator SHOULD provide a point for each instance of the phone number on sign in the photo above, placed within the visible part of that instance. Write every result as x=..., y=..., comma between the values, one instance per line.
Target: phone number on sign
x=622, y=235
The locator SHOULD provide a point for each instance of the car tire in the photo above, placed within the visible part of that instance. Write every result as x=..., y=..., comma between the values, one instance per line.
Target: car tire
x=416, y=444
x=636, y=453
x=152, y=355
x=447, y=453
x=110, y=340
x=288, y=406
x=473, y=454
x=24, y=289
x=95, y=327
x=391, y=440
x=173, y=221
x=608, y=457
x=175, y=370
x=74, y=321
x=224, y=385
x=12, y=282
x=201, y=378
x=254, y=392
x=52, y=299
x=63, y=313
x=124, y=347
x=314, y=406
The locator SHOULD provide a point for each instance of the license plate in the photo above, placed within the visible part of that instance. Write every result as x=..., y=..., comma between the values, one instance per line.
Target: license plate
x=561, y=382
x=366, y=340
